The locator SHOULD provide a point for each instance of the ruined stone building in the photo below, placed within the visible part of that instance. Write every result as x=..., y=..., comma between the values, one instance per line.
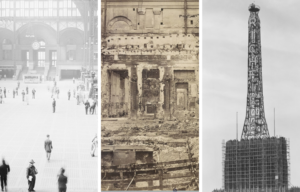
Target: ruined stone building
x=49, y=38
x=150, y=58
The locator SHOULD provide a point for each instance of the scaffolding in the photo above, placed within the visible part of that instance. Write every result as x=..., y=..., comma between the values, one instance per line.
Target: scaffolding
x=260, y=164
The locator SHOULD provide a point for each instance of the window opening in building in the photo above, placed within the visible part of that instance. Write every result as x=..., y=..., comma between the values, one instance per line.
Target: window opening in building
x=53, y=57
x=41, y=57
x=38, y=8
x=7, y=49
x=71, y=55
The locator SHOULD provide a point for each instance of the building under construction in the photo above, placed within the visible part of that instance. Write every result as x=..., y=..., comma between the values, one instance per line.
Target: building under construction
x=257, y=162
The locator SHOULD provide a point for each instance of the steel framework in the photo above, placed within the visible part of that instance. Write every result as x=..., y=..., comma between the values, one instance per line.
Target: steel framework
x=256, y=164
x=255, y=125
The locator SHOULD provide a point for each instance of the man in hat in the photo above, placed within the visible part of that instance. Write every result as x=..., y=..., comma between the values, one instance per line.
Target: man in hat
x=94, y=145
x=48, y=147
x=30, y=174
x=62, y=181
x=33, y=93
x=4, y=170
x=23, y=95
x=69, y=94
x=87, y=106
x=54, y=105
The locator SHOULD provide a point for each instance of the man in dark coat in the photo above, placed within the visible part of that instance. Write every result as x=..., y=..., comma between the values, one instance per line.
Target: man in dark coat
x=69, y=94
x=23, y=95
x=4, y=91
x=54, y=105
x=4, y=170
x=33, y=93
x=87, y=106
x=62, y=181
x=48, y=147
x=30, y=175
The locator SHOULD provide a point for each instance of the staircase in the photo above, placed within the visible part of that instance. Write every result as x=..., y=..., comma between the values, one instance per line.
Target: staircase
x=51, y=73
x=46, y=72
x=18, y=71
x=40, y=70
x=22, y=72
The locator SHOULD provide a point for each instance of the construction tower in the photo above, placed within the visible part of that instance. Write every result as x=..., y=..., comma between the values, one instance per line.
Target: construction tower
x=258, y=162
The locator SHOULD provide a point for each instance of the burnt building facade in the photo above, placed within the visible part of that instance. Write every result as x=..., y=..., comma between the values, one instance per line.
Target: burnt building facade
x=150, y=58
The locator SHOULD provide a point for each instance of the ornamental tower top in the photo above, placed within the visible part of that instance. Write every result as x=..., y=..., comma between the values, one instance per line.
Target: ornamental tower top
x=255, y=125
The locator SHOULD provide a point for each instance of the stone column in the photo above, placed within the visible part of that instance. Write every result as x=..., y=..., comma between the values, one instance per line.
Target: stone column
x=129, y=92
x=160, y=110
x=197, y=98
x=133, y=91
x=104, y=91
x=139, y=72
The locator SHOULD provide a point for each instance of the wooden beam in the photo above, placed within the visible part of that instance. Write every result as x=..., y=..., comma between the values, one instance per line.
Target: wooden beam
x=148, y=170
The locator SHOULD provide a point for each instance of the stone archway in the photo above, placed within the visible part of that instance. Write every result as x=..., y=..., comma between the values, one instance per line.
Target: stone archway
x=119, y=22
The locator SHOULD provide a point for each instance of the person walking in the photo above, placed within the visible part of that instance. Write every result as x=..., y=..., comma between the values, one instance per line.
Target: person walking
x=94, y=145
x=18, y=84
x=74, y=93
x=33, y=93
x=14, y=93
x=23, y=95
x=77, y=97
x=26, y=90
x=4, y=170
x=92, y=109
x=69, y=94
x=27, y=99
x=57, y=92
x=4, y=92
x=48, y=147
x=53, y=105
x=30, y=174
x=87, y=106
x=1, y=98
x=62, y=181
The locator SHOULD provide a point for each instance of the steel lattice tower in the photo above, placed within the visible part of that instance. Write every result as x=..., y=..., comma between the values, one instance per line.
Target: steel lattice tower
x=255, y=125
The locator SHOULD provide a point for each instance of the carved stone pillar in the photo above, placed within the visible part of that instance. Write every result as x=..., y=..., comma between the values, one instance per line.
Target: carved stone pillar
x=133, y=95
x=139, y=72
x=129, y=92
x=160, y=110
x=197, y=98
x=104, y=90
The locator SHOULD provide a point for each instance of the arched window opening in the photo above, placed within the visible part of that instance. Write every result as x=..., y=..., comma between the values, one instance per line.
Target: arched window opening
x=7, y=49
x=71, y=49
x=40, y=54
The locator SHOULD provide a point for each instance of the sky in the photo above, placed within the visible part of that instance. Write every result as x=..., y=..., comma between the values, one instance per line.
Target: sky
x=224, y=65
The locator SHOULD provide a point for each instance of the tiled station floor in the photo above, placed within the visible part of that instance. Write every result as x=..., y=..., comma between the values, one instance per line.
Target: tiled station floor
x=23, y=130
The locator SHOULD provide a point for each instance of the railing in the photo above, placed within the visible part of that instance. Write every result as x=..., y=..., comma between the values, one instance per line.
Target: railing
x=150, y=173
x=114, y=109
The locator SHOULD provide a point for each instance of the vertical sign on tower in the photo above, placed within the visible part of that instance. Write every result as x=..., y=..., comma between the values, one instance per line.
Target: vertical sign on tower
x=255, y=125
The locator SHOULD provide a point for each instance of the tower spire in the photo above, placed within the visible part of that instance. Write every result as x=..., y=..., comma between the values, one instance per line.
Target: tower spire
x=255, y=125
